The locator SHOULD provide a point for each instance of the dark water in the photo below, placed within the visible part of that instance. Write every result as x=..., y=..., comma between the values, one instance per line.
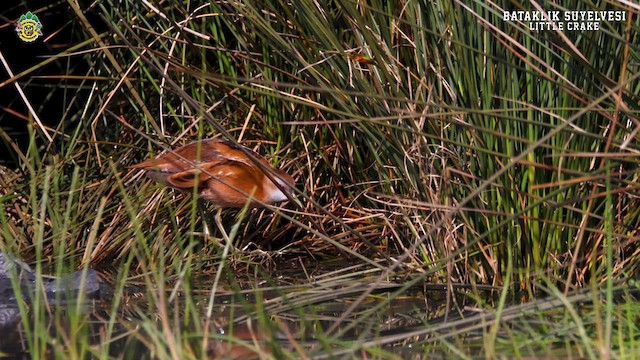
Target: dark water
x=280, y=309
x=285, y=308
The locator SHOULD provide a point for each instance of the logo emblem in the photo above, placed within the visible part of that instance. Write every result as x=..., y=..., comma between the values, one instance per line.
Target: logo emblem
x=29, y=27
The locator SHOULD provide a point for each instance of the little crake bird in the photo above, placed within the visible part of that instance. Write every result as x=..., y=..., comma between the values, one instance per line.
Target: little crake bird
x=221, y=171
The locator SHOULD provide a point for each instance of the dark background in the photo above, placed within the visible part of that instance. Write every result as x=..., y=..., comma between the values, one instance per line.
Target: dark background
x=48, y=96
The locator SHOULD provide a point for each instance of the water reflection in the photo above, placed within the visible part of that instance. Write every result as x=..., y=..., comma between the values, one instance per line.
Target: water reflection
x=255, y=311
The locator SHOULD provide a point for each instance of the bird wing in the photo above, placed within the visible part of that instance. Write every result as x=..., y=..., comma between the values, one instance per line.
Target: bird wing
x=195, y=177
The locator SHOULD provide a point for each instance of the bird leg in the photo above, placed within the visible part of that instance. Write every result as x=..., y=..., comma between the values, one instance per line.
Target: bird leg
x=205, y=223
x=228, y=238
x=206, y=227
